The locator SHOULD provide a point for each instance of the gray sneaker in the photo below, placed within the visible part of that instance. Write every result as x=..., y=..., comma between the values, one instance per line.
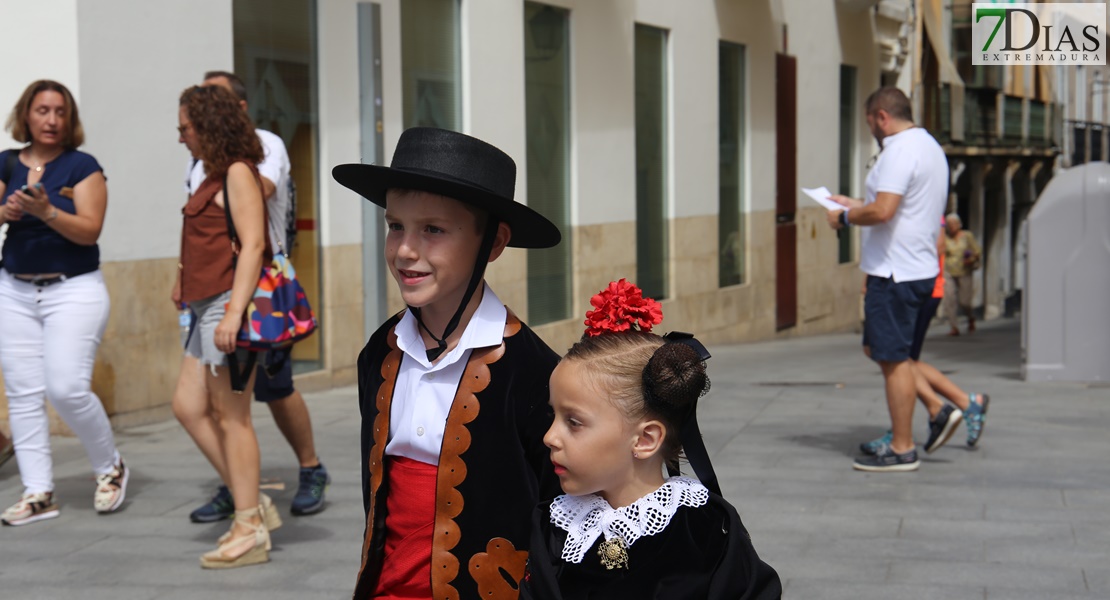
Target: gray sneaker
x=943, y=426
x=888, y=460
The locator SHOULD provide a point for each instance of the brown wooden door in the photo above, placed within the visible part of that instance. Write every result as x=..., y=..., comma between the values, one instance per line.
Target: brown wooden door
x=786, y=186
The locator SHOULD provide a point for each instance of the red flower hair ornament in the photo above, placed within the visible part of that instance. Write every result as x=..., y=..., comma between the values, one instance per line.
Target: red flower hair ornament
x=622, y=307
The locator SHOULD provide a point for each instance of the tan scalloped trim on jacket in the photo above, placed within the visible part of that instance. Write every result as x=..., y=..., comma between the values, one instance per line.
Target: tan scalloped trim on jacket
x=390, y=366
x=486, y=567
x=452, y=468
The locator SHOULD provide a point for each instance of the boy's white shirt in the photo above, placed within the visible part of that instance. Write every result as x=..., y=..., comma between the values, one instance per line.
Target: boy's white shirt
x=586, y=518
x=424, y=391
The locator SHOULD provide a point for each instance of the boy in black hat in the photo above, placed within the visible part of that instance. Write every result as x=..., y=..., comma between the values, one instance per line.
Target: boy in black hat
x=452, y=390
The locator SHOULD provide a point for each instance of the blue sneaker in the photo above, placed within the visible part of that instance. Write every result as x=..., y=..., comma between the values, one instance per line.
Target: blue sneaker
x=220, y=507
x=976, y=417
x=310, y=492
x=872, y=448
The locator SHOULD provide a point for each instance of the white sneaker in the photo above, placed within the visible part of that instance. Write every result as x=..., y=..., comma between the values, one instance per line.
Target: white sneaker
x=31, y=508
x=111, y=488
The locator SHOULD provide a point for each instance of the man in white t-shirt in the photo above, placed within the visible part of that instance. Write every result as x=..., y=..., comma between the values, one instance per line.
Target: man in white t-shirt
x=286, y=403
x=907, y=191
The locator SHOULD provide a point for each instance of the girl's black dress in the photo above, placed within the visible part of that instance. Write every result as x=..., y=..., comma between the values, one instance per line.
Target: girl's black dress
x=704, y=553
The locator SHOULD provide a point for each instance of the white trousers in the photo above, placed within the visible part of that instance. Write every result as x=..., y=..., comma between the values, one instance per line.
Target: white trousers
x=48, y=341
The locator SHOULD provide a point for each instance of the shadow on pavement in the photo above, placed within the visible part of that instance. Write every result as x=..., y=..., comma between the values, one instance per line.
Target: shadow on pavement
x=844, y=442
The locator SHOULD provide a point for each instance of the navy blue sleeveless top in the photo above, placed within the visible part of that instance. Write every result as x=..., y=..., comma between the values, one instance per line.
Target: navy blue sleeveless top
x=32, y=246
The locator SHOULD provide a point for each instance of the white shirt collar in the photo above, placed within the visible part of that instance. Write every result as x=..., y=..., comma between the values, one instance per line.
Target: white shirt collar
x=585, y=518
x=486, y=328
x=896, y=137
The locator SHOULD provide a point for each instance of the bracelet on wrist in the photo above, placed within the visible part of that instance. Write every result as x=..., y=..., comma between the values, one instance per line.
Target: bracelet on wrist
x=53, y=215
x=844, y=218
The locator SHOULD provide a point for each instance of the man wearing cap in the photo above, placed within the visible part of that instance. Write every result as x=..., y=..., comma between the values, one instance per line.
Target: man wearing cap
x=453, y=390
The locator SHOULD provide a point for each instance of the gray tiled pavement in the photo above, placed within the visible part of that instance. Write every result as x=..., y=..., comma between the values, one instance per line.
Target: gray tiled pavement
x=1026, y=516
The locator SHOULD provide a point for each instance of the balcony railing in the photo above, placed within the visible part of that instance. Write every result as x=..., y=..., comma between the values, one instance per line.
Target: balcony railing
x=1012, y=121
x=1041, y=132
x=980, y=118
x=1018, y=127
x=1086, y=141
x=938, y=112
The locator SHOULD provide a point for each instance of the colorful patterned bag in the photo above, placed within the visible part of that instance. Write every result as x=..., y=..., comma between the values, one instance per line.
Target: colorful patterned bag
x=278, y=314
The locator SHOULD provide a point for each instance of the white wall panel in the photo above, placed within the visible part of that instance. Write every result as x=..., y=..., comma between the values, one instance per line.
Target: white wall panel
x=136, y=57
x=818, y=83
x=602, y=111
x=39, y=42
x=692, y=74
x=337, y=46
x=755, y=26
x=493, y=78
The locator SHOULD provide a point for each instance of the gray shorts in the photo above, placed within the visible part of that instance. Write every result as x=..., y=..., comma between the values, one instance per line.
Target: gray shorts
x=207, y=314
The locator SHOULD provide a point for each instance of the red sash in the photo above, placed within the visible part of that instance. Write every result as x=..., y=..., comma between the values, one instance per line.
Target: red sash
x=410, y=518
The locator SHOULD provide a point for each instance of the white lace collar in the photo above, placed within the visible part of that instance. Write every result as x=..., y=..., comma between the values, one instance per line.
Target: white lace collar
x=584, y=518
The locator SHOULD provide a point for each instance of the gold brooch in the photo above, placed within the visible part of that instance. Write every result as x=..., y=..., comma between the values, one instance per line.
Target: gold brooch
x=613, y=553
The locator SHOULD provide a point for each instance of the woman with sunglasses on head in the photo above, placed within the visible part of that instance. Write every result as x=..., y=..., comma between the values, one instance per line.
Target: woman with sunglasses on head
x=218, y=274
x=55, y=305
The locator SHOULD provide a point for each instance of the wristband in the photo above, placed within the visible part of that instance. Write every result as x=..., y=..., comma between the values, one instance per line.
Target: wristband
x=53, y=215
x=844, y=218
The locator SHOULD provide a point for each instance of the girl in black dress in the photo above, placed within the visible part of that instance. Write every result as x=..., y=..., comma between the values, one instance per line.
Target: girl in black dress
x=624, y=402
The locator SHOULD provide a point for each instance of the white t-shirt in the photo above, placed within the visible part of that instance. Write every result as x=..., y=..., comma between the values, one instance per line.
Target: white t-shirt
x=275, y=167
x=423, y=392
x=912, y=165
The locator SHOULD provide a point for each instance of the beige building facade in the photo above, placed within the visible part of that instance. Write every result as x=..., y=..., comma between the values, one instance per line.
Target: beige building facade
x=668, y=139
x=1007, y=130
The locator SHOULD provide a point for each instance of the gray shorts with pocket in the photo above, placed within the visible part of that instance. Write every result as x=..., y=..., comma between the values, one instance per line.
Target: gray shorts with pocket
x=207, y=314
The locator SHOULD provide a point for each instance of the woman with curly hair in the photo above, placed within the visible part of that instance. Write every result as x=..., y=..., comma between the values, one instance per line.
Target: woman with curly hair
x=216, y=277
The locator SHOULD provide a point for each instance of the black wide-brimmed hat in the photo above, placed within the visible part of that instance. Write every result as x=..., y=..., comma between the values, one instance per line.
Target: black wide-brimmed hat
x=457, y=166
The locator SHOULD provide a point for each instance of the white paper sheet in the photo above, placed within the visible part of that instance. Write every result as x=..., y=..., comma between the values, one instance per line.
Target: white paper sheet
x=821, y=196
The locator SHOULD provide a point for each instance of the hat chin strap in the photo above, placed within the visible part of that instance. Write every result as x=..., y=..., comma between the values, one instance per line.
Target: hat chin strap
x=475, y=278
